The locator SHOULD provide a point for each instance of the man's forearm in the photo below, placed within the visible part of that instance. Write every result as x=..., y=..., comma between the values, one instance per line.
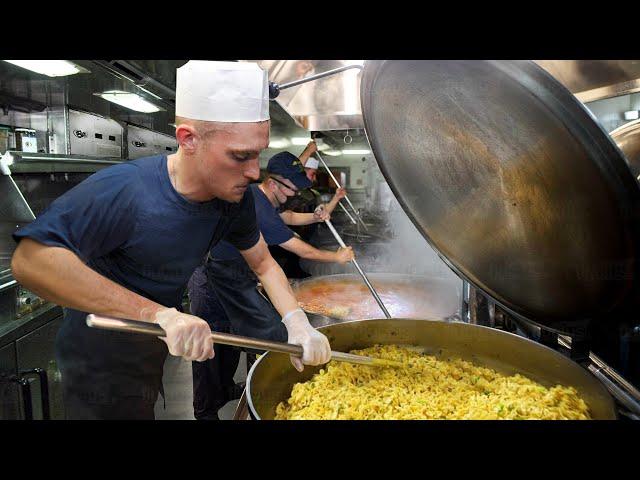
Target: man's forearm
x=58, y=275
x=304, y=156
x=318, y=255
x=278, y=289
x=331, y=206
x=297, y=219
x=304, y=250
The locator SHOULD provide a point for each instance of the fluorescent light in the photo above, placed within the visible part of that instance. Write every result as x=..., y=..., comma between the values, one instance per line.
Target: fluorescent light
x=355, y=62
x=148, y=92
x=51, y=68
x=132, y=101
x=300, y=140
x=356, y=152
x=631, y=115
x=333, y=153
x=279, y=143
x=323, y=147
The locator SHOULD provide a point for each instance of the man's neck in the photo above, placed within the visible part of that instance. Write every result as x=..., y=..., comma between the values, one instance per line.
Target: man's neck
x=184, y=180
x=270, y=195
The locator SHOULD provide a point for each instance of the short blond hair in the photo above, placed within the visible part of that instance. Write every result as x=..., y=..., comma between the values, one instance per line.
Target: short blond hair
x=203, y=127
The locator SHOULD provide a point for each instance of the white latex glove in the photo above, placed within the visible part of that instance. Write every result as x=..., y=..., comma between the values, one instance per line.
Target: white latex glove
x=187, y=336
x=315, y=346
x=320, y=214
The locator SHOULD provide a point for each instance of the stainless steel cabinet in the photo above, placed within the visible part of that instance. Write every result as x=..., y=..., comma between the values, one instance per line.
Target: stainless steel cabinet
x=9, y=390
x=36, y=351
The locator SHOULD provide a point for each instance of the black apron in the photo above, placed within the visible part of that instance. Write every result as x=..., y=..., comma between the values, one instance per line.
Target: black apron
x=247, y=312
x=224, y=293
x=110, y=375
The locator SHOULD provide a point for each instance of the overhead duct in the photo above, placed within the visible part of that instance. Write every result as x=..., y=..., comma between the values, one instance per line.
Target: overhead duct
x=591, y=80
x=329, y=103
x=333, y=103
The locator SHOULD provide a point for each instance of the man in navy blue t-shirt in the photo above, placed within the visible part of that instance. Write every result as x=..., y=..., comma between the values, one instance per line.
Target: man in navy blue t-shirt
x=224, y=290
x=125, y=242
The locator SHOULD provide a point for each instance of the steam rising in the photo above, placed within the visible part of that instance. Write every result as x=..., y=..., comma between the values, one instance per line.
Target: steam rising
x=405, y=252
x=408, y=251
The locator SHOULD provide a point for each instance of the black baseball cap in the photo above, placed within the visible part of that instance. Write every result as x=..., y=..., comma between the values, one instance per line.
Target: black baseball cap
x=287, y=165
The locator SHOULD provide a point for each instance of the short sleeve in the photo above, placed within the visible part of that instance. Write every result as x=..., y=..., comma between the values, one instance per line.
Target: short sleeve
x=274, y=230
x=243, y=232
x=93, y=218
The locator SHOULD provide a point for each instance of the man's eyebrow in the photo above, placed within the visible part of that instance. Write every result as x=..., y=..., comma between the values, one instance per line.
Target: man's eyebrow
x=250, y=151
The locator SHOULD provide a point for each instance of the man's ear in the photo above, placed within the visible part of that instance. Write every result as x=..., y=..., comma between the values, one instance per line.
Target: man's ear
x=187, y=138
x=271, y=185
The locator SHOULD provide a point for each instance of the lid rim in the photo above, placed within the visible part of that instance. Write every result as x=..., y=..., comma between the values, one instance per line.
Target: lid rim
x=577, y=123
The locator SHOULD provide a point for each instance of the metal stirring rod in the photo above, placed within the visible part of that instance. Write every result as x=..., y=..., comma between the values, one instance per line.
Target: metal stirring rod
x=348, y=214
x=362, y=274
x=148, y=328
x=346, y=197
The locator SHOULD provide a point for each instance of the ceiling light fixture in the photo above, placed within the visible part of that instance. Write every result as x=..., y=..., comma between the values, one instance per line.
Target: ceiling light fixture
x=279, y=143
x=129, y=100
x=51, y=68
x=333, y=153
x=300, y=140
x=356, y=152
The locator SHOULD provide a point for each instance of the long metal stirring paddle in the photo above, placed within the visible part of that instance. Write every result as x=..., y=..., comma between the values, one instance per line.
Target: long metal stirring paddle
x=348, y=214
x=336, y=235
x=346, y=197
x=148, y=328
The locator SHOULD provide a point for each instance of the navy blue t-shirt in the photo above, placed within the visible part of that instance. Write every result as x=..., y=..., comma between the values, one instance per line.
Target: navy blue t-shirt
x=273, y=228
x=128, y=223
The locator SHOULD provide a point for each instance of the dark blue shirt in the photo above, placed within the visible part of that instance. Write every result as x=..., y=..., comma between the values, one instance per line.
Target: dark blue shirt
x=273, y=228
x=128, y=223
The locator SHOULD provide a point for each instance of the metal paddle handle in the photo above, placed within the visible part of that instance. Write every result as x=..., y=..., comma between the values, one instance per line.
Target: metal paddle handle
x=148, y=328
x=346, y=197
x=360, y=271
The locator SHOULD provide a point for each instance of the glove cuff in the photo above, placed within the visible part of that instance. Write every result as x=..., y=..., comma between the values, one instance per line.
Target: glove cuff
x=291, y=314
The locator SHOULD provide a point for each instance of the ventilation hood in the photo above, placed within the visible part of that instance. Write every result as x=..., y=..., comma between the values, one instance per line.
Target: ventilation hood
x=329, y=103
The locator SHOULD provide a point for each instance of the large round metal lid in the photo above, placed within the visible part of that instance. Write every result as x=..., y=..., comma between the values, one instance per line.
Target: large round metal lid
x=510, y=179
x=627, y=137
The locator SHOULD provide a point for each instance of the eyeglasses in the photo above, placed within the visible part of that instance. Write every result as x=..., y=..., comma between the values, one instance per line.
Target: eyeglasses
x=294, y=190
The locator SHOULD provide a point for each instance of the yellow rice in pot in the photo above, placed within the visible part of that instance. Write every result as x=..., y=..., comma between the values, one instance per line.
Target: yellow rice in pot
x=427, y=388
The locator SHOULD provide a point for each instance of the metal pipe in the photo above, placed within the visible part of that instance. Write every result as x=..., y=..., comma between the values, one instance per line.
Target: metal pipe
x=615, y=390
x=242, y=409
x=620, y=388
x=335, y=180
x=318, y=76
x=146, y=79
x=617, y=386
x=362, y=274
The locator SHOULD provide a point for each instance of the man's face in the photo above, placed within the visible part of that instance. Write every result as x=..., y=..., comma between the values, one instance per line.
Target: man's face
x=227, y=160
x=311, y=174
x=283, y=188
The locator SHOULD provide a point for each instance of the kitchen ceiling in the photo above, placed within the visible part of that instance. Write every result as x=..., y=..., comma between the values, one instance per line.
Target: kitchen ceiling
x=24, y=90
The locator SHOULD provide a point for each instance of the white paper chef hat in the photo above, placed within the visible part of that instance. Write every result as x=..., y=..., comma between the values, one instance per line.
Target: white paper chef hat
x=222, y=92
x=312, y=163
